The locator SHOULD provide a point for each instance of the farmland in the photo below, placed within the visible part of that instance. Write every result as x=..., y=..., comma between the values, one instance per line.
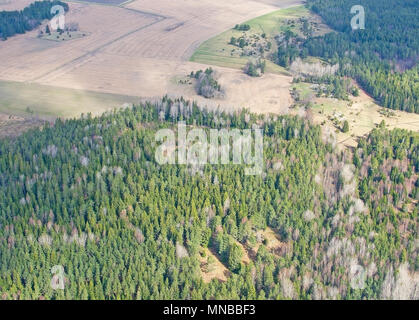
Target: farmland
x=136, y=49
x=11, y=5
x=142, y=49
x=18, y=99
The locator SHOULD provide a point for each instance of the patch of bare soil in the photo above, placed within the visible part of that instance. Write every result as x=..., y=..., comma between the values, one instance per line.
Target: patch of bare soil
x=12, y=126
x=211, y=267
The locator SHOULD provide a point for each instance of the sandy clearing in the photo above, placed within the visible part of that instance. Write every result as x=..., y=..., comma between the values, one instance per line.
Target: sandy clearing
x=213, y=270
x=273, y=243
x=268, y=94
x=138, y=50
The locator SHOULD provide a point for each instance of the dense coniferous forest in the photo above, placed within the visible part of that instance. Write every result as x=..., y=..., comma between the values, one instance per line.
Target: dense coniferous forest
x=15, y=22
x=382, y=57
x=88, y=194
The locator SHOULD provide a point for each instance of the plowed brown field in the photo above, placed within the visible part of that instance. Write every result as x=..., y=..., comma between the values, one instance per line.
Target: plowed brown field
x=137, y=49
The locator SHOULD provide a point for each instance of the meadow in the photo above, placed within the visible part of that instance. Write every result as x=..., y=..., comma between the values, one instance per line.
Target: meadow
x=18, y=99
x=218, y=50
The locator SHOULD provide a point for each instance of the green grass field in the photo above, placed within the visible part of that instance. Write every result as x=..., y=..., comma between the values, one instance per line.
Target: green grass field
x=217, y=51
x=304, y=90
x=49, y=102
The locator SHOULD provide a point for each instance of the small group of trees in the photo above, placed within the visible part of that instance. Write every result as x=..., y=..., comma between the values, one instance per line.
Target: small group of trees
x=239, y=42
x=242, y=27
x=229, y=251
x=69, y=27
x=254, y=45
x=255, y=68
x=206, y=85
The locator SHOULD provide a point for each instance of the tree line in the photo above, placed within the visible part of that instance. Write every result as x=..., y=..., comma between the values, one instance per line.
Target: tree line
x=18, y=22
x=382, y=58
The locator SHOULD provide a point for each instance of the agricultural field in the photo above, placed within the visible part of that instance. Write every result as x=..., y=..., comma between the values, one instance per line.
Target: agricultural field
x=18, y=99
x=42, y=61
x=105, y=2
x=142, y=49
x=137, y=49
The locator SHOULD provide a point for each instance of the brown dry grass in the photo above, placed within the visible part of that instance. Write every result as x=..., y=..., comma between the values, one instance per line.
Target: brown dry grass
x=273, y=243
x=215, y=270
x=12, y=126
x=245, y=259
x=267, y=94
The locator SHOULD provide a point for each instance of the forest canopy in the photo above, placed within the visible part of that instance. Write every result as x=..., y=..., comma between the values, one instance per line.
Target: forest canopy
x=87, y=194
